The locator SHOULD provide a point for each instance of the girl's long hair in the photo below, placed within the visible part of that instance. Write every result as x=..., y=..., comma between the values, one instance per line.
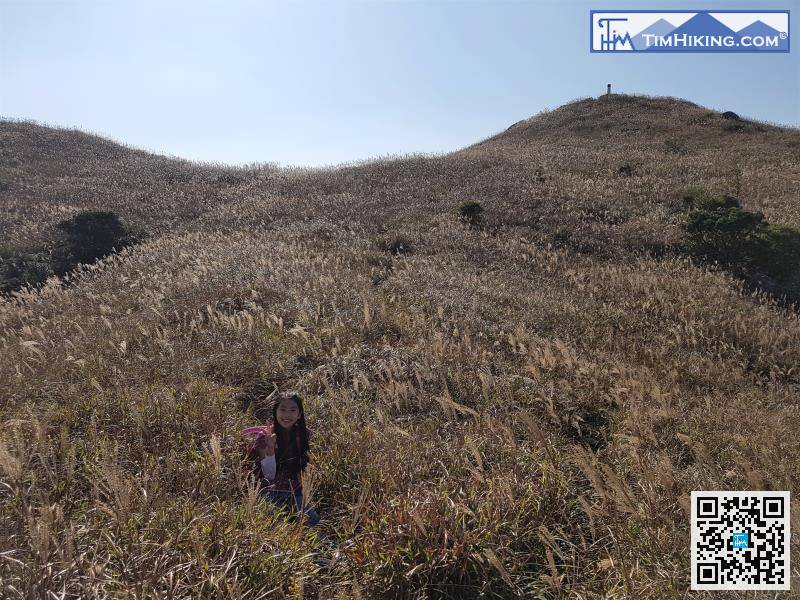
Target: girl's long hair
x=283, y=441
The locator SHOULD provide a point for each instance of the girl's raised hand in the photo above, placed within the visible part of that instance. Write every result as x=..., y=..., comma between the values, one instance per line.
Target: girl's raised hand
x=271, y=440
x=265, y=444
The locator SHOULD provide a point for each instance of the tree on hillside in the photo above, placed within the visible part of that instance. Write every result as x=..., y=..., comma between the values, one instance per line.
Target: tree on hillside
x=89, y=236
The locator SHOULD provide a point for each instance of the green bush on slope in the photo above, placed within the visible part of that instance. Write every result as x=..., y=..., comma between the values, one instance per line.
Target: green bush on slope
x=718, y=230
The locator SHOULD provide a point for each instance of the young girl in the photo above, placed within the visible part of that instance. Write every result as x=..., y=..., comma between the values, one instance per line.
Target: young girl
x=280, y=454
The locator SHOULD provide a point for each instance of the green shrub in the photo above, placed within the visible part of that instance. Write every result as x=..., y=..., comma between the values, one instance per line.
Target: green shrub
x=725, y=234
x=717, y=229
x=17, y=271
x=626, y=169
x=472, y=213
x=699, y=199
x=396, y=245
x=84, y=238
x=675, y=146
x=779, y=250
x=89, y=236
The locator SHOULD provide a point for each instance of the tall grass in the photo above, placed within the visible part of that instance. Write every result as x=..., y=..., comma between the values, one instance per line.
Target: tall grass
x=497, y=414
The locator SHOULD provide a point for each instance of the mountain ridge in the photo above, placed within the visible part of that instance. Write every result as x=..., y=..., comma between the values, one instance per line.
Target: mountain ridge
x=512, y=406
x=551, y=159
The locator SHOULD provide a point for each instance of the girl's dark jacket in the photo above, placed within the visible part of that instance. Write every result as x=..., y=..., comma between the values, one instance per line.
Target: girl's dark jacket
x=278, y=474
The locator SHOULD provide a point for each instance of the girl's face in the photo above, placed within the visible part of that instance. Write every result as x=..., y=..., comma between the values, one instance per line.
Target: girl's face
x=288, y=413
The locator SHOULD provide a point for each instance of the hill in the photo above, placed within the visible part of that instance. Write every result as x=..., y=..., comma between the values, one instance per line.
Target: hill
x=517, y=411
x=559, y=172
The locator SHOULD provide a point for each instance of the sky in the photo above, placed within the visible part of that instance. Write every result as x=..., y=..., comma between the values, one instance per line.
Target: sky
x=323, y=83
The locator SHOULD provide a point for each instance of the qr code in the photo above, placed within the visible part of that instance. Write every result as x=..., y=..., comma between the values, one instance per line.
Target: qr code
x=740, y=540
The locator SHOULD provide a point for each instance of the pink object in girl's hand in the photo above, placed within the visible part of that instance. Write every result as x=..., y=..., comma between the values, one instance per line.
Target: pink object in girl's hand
x=260, y=430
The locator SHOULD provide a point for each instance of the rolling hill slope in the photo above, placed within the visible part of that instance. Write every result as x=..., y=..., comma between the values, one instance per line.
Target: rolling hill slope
x=557, y=170
x=509, y=412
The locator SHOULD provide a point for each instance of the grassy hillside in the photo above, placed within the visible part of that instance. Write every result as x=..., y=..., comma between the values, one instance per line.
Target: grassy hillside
x=517, y=411
x=600, y=174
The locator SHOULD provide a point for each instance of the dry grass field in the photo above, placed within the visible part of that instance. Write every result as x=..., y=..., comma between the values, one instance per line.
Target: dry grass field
x=514, y=411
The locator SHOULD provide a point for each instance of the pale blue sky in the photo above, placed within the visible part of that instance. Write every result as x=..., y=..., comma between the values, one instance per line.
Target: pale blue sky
x=314, y=83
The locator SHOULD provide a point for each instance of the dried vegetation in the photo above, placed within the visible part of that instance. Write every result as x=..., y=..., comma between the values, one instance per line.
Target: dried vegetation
x=519, y=410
